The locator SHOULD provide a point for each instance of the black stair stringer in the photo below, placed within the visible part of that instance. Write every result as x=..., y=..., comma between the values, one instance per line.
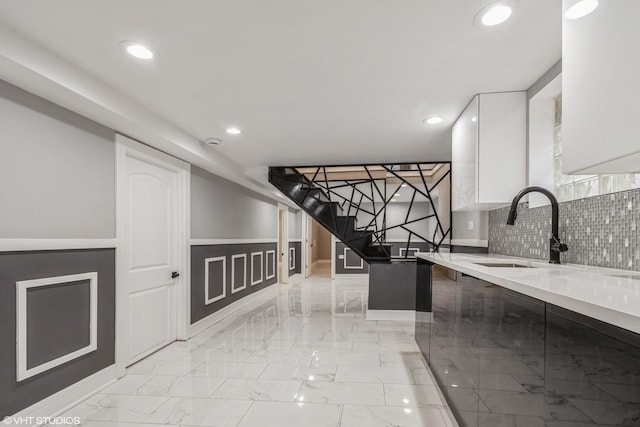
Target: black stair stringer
x=316, y=202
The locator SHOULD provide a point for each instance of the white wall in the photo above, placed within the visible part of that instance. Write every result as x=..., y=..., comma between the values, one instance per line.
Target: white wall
x=57, y=178
x=221, y=209
x=295, y=224
x=396, y=214
x=461, y=221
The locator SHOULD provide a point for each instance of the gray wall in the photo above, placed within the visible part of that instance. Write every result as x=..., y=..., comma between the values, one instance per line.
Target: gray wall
x=221, y=209
x=352, y=259
x=297, y=269
x=199, y=309
x=392, y=286
x=480, y=225
x=602, y=231
x=52, y=338
x=58, y=170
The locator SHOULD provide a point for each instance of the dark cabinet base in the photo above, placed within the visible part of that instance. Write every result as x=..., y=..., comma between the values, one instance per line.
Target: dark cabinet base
x=505, y=359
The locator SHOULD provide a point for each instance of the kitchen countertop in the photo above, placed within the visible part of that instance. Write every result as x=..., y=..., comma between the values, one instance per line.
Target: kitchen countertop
x=609, y=295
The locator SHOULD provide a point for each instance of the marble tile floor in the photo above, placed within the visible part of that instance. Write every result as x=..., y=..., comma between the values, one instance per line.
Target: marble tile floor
x=305, y=358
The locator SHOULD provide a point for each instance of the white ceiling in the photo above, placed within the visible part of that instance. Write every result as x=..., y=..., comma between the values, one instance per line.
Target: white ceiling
x=308, y=82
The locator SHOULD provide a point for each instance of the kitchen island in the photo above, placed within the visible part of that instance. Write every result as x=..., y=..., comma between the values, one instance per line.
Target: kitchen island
x=516, y=342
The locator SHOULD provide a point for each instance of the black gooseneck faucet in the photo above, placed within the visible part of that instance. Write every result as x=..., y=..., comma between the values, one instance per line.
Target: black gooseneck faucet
x=555, y=246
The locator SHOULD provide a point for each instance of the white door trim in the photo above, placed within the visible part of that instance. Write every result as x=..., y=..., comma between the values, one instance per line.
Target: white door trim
x=128, y=147
x=333, y=256
x=306, y=249
x=283, y=252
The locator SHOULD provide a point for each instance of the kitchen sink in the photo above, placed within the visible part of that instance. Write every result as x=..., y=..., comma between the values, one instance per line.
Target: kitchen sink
x=503, y=264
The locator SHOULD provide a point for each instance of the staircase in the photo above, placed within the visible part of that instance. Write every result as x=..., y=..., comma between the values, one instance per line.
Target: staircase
x=317, y=203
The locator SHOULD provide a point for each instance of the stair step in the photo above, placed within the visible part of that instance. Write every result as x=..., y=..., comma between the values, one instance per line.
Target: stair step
x=313, y=200
x=376, y=250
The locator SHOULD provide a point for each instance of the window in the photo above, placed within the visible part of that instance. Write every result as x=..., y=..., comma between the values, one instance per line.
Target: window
x=571, y=187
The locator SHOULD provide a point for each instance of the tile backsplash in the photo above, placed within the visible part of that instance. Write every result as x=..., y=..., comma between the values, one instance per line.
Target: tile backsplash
x=602, y=231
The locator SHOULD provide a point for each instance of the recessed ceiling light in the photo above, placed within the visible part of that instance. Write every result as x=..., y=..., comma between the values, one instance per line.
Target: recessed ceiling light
x=495, y=13
x=138, y=50
x=581, y=8
x=404, y=185
x=393, y=200
x=233, y=131
x=212, y=141
x=474, y=119
x=397, y=194
x=433, y=120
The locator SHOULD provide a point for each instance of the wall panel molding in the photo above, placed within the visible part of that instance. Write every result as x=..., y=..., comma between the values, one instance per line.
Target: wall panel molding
x=253, y=255
x=208, y=242
x=20, y=245
x=292, y=258
x=272, y=264
x=350, y=267
x=22, y=370
x=208, y=299
x=247, y=266
x=233, y=272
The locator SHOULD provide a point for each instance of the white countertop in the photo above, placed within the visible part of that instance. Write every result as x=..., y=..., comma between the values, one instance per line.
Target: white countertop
x=610, y=295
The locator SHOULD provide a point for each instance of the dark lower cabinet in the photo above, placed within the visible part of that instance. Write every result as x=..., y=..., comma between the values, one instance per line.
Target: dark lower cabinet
x=502, y=358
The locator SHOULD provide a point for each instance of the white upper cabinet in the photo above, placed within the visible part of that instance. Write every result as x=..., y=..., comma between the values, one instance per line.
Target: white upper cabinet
x=488, y=158
x=601, y=89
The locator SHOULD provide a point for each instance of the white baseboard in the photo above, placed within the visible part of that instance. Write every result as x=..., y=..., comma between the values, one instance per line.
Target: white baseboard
x=221, y=314
x=404, y=315
x=352, y=276
x=65, y=399
x=315, y=263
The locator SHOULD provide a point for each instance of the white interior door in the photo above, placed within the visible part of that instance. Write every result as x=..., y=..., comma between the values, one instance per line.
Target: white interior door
x=306, y=243
x=150, y=242
x=283, y=243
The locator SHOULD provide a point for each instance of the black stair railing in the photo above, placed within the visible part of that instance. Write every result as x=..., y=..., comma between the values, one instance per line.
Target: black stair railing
x=340, y=196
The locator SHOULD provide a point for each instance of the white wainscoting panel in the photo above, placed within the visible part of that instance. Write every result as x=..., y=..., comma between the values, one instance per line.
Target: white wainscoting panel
x=254, y=255
x=350, y=267
x=233, y=273
x=208, y=299
x=292, y=258
x=23, y=372
x=272, y=264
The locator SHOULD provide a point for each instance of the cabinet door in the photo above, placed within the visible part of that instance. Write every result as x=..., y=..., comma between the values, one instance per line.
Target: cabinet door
x=464, y=157
x=501, y=146
x=600, y=85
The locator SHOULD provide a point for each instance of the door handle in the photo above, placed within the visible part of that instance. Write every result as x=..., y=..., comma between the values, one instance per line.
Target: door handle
x=175, y=274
